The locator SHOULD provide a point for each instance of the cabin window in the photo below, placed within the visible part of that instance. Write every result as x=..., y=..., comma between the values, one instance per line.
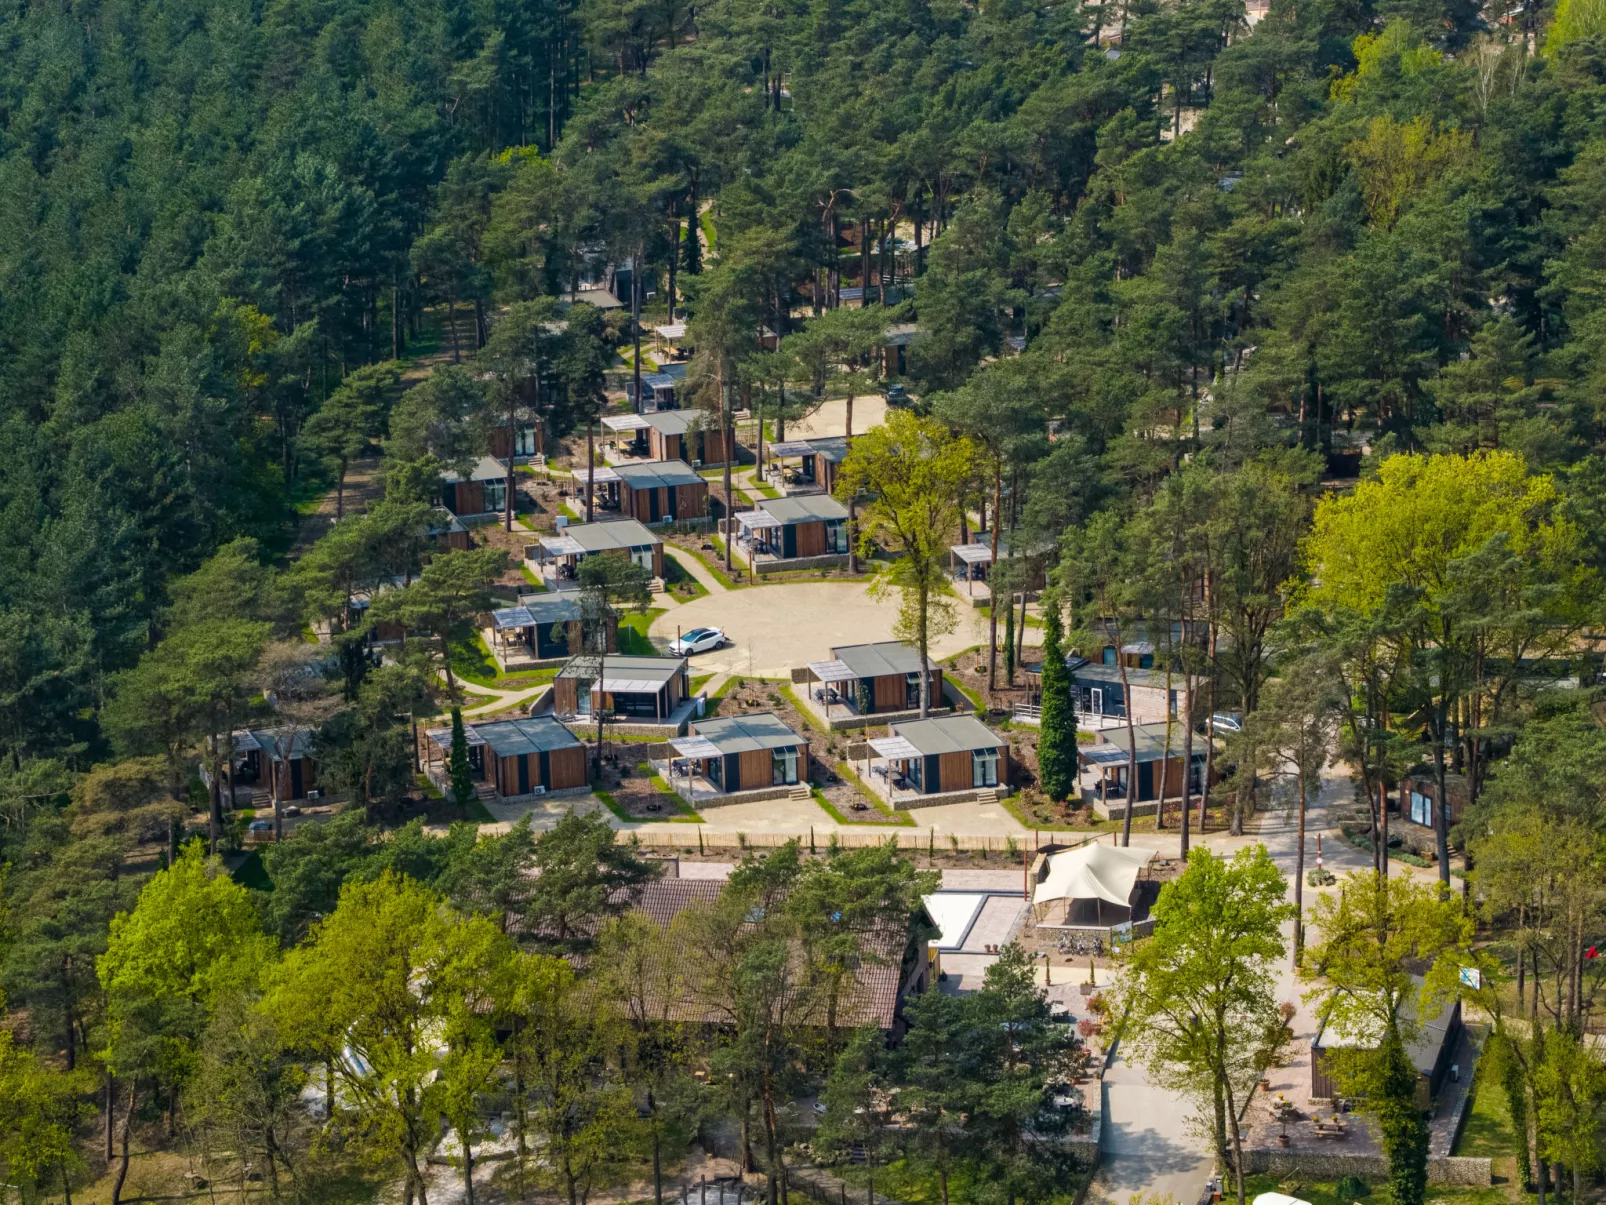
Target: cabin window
x=836, y=536
x=1421, y=809
x=582, y=697
x=785, y=764
x=524, y=444
x=496, y=493
x=911, y=690
x=984, y=767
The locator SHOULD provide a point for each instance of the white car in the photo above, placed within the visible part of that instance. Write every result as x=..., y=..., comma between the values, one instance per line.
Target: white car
x=698, y=640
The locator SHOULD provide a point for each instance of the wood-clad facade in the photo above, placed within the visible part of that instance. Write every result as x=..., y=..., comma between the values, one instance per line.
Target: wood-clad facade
x=521, y=773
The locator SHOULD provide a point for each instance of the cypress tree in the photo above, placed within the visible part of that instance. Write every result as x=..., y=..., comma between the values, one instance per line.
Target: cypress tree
x=457, y=763
x=1056, y=747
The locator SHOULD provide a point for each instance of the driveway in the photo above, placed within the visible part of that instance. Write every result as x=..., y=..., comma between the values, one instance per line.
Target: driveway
x=1148, y=1142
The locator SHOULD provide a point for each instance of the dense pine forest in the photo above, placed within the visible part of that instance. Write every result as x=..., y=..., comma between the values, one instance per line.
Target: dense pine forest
x=1282, y=324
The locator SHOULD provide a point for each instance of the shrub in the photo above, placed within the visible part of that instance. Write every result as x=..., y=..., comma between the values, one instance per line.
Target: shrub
x=1351, y=1188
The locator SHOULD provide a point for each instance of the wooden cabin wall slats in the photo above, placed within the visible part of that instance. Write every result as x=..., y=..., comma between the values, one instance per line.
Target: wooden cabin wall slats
x=757, y=769
x=811, y=539
x=568, y=768
x=891, y=693
x=954, y=771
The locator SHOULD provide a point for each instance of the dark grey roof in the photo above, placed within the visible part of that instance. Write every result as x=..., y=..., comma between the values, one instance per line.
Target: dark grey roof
x=488, y=468
x=556, y=607
x=747, y=733
x=610, y=534
x=949, y=734
x=1148, y=739
x=614, y=668
x=537, y=734
x=806, y=508
x=1083, y=670
x=879, y=660
x=671, y=422
x=658, y=473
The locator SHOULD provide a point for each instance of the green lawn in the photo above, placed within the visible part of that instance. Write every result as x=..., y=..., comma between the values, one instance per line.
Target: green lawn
x=714, y=566
x=1489, y=1133
x=536, y=583
x=699, y=682
x=473, y=663
x=681, y=584
x=633, y=640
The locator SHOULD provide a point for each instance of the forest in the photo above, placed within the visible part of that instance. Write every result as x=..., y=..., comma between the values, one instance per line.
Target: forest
x=1283, y=324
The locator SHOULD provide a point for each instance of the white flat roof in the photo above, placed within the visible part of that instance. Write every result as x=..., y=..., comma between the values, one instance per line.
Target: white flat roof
x=953, y=912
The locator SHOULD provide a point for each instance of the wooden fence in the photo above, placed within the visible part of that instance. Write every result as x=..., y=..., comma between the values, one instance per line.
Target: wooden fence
x=697, y=837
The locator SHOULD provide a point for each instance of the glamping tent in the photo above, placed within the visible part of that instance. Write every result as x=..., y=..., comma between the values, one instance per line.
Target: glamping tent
x=1091, y=885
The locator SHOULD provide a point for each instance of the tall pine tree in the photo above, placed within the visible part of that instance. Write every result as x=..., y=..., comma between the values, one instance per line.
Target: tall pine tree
x=1056, y=747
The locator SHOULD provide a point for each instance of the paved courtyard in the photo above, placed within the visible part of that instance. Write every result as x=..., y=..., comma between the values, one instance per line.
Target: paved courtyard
x=774, y=628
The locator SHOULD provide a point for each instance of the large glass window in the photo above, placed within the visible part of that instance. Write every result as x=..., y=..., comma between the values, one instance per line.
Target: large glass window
x=785, y=763
x=525, y=444
x=836, y=536
x=984, y=767
x=911, y=691
x=582, y=697
x=496, y=494
x=1421, y=809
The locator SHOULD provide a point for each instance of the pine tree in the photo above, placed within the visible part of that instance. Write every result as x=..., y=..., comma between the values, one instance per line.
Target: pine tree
x=1009, y=640
x=462, y=777
x=1056, y=748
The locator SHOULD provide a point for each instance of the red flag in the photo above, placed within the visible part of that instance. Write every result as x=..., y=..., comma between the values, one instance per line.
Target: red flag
x=1592, y=952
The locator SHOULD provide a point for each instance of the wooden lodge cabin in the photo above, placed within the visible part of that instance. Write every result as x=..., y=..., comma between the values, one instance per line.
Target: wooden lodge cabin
x=647, y=689
x=530, y=756
x=973, y=561
x=745, y=752
x=657, y=391
x=543, y=627
x=895, y=348
x=1419, y=797
x=945, y=754
x=1108, y=760
x=652, y=493
x=277, y=760
x=1432, y=1048
x=671, y=435
x=1097, y=690
x=482, y=492
x=787, y=529
x=875, y=678
x=818, y=461
x=899, y=962
x=446, y=530
x=610, y=537
x=521, y=441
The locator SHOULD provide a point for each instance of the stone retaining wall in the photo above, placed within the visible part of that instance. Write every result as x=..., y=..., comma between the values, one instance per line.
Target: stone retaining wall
x=835, y=560
x=756, y=795
x=1455, y=1170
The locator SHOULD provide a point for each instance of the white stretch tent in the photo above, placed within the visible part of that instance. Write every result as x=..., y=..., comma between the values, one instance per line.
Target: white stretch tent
x=1092, y=872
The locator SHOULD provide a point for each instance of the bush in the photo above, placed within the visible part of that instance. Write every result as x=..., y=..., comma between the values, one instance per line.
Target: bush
x=1351, y=1188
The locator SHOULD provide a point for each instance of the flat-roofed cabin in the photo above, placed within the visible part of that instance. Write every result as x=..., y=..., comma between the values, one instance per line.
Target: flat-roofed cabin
x=670, y=435
x=787, y=529
x=647, y=689
x=482, y=492
x=618, y=537
x=653, y=493
x=948, y=753
x=880, y=677
x=745, y=752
